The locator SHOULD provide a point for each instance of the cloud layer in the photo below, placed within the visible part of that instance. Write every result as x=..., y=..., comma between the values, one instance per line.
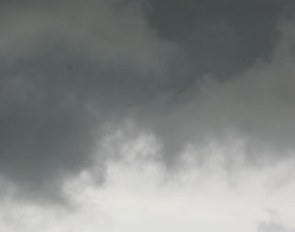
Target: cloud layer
x=139, y=194
x=184, y=105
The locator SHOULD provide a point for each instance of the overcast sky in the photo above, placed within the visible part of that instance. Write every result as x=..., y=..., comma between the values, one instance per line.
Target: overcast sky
x=147, y=115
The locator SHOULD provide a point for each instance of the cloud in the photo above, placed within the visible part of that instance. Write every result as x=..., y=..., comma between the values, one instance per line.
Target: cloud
x=110, y=32
x=139, y=194
x=67, y=70
x=219, y=35
x=274, y=224
x=258, y=104
x=73, y=73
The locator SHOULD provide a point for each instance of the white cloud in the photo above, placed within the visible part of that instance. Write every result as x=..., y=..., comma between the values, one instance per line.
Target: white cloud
x=141, y=196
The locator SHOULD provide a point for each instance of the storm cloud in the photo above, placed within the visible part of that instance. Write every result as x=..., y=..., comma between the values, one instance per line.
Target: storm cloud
x=203, y=81
x=67, y=70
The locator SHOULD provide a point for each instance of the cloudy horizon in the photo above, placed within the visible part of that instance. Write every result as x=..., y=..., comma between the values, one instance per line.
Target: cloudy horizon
x=141, y=115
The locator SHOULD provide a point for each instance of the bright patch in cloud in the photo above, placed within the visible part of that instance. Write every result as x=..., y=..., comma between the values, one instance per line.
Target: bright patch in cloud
x=141, y=195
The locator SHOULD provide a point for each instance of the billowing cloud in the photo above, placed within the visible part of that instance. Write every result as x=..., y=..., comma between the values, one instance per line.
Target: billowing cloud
x=139, y=194
x=67, y=70
x=147, y=107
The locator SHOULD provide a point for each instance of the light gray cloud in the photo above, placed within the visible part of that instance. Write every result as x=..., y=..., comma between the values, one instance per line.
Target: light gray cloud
x=274, y=224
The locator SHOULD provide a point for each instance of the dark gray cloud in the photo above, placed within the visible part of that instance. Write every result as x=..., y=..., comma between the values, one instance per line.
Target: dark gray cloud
x=221, y=37
x=69, y=69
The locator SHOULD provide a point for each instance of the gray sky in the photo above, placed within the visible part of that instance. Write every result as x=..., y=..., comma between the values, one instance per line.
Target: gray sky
x=177, y=115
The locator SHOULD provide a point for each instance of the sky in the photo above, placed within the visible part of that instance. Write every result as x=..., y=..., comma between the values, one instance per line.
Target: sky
x=147, y=115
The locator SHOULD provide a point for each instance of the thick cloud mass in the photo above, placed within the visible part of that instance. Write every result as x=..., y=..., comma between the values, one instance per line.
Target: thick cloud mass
x=188, y=73
x=221, y=36
x=147, y=115
x=67, y=70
